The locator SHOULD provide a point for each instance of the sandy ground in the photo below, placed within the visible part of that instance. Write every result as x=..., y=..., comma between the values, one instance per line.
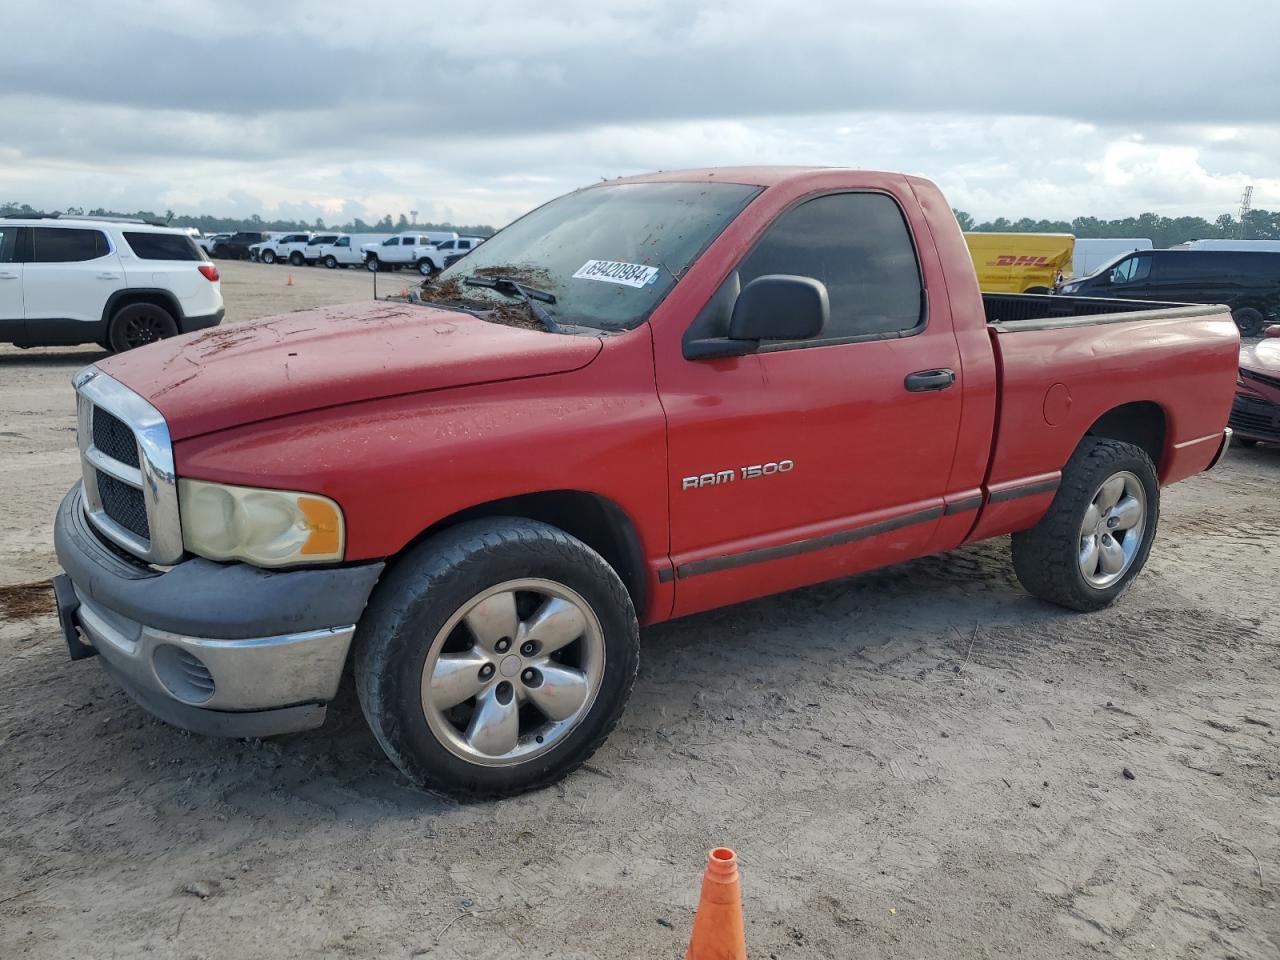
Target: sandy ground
x=923, y=762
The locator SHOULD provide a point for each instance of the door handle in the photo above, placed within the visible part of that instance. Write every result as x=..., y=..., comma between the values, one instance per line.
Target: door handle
x=925, y=380
x=8, y=276
x=108, y=276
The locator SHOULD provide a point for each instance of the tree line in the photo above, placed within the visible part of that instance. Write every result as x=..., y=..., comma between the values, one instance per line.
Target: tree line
x=1162, y=231
x=206, y=223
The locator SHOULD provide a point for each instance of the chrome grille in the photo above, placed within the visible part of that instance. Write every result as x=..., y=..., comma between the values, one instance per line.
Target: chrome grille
x=114, y=439
x=123, y=504
x=130, y=491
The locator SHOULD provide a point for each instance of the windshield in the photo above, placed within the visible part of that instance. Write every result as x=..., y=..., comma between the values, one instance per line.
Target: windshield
x=608, y=255
x=1108, y=266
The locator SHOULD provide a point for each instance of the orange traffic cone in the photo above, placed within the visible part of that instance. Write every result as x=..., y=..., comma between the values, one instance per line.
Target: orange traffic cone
x=717, y=926
x=290, y=283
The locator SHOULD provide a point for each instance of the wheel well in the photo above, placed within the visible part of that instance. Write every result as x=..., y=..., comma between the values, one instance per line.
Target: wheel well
x=127, y=298
x=597, y=521
x=1142, y=423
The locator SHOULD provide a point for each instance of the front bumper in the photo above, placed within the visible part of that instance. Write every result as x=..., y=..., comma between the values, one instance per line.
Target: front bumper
x=222, y=649
x=1254, y=418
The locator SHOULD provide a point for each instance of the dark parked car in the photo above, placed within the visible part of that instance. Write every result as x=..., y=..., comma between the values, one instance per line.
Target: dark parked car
x=1247, y=282
x=1255, y=415
x=236, y=246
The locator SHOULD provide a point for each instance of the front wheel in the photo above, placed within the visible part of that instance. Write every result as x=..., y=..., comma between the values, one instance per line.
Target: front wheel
x=1098, y=531
x=267, y=256
x=496, y=657
x=296, y=259
x=331, y=262
x=372, y=265
x=140, y=324
x=426, y=267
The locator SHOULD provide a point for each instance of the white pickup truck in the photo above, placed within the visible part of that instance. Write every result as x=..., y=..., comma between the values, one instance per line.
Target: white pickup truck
x=413, y=249
x=290, y=247
x=341, y=252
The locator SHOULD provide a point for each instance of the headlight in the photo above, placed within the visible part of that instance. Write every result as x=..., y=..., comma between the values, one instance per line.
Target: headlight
x=268, y=528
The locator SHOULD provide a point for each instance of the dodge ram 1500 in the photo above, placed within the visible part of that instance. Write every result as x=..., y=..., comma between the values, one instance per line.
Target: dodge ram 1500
x=718, y=384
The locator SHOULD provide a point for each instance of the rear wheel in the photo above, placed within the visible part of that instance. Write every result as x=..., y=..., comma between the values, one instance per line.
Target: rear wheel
x=496, y=657
x=296, y=259
x=1098, y=531
x=331, y=262
x=1249, y=320
x=139, y=324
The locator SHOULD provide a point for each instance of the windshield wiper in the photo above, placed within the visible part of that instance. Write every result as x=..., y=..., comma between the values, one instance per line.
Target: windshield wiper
x=531, y=296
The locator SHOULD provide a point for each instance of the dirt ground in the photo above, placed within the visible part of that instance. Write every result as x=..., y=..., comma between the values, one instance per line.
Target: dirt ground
x=922, y=762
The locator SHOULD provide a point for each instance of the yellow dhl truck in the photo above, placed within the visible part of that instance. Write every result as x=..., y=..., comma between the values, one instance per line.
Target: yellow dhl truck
x=1020, y=262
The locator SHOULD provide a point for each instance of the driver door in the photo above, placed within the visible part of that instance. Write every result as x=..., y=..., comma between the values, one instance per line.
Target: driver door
x=812, y=459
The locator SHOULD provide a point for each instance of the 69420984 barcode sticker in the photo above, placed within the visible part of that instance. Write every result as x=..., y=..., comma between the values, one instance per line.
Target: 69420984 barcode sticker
x=613, y=271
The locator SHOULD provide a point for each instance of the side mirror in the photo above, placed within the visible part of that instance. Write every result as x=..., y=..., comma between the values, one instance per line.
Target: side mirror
x=772, y=307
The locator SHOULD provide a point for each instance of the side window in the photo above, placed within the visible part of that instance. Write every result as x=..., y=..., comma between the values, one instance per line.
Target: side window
x=8, y=244
x=1131, y=270
x=408, y=241
x=447, y=245
x=858, y=245
x=162, y=246
x=393, y=242
x=67, y=245
x=343, y=242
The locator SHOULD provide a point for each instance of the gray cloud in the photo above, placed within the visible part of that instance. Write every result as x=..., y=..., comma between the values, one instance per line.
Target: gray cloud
x=488, y=106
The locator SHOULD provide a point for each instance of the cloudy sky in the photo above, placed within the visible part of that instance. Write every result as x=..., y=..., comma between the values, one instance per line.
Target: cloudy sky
x=475, y=110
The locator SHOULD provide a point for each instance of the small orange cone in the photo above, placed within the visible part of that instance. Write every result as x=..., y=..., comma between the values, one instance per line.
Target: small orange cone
x=717, y=926
x=290, y=283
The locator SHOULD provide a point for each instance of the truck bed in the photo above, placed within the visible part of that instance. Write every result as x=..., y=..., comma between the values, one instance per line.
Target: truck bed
x=1046, y=310
x=1159, y=372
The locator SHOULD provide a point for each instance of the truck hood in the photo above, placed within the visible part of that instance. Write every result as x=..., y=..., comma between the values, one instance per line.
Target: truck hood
x=278, y=366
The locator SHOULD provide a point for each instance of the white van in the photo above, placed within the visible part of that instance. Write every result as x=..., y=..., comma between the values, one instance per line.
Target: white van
x=1246, y=246
x=1089, y=254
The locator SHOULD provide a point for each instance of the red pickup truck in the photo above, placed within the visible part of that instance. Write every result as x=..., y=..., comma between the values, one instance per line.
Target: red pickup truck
x=648, y=398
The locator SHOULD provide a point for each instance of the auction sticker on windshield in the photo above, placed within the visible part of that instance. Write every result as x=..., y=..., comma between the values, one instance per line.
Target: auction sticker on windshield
x=612, y=271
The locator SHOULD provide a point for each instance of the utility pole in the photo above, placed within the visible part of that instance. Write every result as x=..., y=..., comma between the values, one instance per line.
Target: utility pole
x=1246, y=201
x=414, y=214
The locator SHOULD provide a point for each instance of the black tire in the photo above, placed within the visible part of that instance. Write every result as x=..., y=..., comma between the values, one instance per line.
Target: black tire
x=331, y=262
x=372, y=265
x=296, y=259
x=1046, y=558
x=139, y=324
x=426, y=267
x=1243, y=442
x=415, y=601
x=267, y=256
x=1249, y=320
x=218, y=252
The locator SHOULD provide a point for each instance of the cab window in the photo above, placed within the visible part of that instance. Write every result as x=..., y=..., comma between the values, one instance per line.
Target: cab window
x=343, y=242
x=859, y=247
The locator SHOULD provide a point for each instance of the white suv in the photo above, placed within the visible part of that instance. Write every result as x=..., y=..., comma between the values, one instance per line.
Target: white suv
x=117, y=283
